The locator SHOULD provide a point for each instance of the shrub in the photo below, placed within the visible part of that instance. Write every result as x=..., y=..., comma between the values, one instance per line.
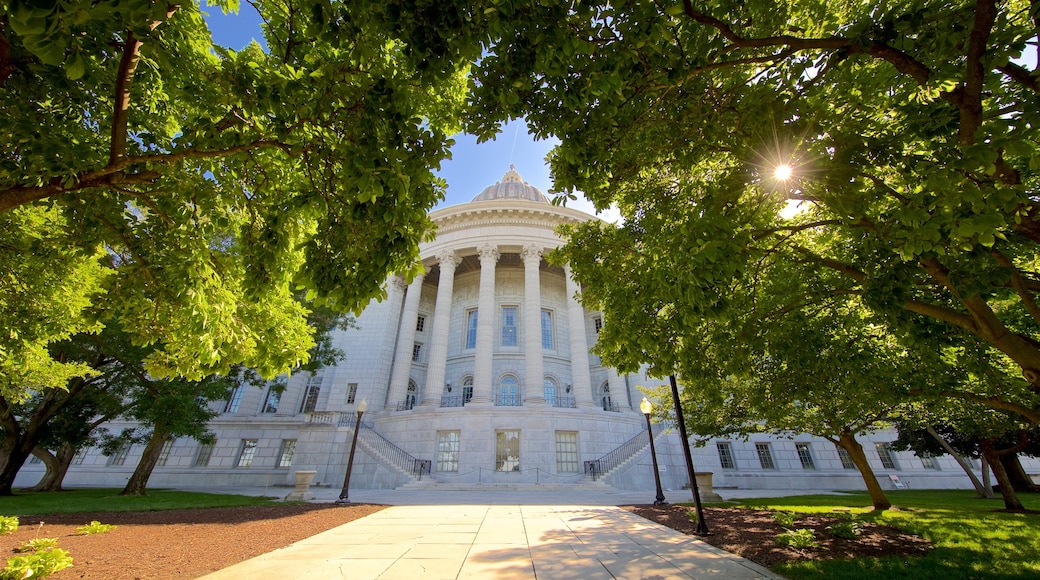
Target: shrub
x=849, y=530
x=94, y=527
x=800, y=538
x=36, y=565
x=38, y=544
x=8, y=524
x=785, y=519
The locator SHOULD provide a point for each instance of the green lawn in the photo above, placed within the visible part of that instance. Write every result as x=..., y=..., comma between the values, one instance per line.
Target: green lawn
x=971, y=538
x=109, y=500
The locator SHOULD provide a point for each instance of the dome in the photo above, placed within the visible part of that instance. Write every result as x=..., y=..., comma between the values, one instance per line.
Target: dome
x=512, y=186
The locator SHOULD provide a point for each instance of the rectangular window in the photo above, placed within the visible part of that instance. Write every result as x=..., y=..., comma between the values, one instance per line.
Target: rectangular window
x=274, y=397
x=351, y=393
x=80, y=455
x=420, y=324
x=288, y=450
x=547, y=330
x=447, y=451
x=846, y=459
x=205, y=452
x=507, y=451
x=234, y=400
x=416, y=352
x=471, y=329
x=509, y=326
x=765, y=456
x=310, y=396
x=164, y=453
x=726, y=455
x=119, y=457
x=805, y=455
x=597, y=323
x=245, y=456
x=888, y=459
x=928, y=461
x=566, y=452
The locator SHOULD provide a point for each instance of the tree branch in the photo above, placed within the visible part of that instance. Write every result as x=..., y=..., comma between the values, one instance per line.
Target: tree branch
x=1019, y=284
x=971, y=101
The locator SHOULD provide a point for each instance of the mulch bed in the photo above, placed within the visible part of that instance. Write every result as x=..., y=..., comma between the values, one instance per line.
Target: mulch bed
x=752, y=534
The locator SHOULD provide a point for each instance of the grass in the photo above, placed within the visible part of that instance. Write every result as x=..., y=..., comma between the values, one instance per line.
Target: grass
x=109, y=500
x=972, y=538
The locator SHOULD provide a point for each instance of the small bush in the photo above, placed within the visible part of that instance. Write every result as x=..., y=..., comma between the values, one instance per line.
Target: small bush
x=800, y=538
x=37, y=544
x=849, y=530
x=8, y=524
x=36, y=565
x=785, y=519
x=94, y=527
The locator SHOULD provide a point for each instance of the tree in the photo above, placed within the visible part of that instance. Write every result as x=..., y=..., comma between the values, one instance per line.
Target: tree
x=911, y=129
x=220, y=183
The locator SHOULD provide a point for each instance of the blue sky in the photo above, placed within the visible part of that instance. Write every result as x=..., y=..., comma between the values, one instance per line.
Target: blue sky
x=472, y=166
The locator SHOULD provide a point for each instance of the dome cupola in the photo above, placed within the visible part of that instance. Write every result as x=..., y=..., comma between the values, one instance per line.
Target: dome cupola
x=511, y=187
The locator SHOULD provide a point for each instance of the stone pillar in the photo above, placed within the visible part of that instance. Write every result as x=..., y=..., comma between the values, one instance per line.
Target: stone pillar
x=534, y=383
x=405, y=340
x=482, y=364
x=580, y=376
x=438, y=361
x=618, y=391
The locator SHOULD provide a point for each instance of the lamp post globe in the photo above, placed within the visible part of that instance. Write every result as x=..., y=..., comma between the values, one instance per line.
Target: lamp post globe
x=344, y=495
x=647, y=407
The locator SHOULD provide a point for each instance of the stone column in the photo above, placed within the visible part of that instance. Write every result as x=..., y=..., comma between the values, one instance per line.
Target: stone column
x=482, y=364
x=582, y=380
x=618, y=392
x=405, y=340
x=534, y=391
x=438, y=361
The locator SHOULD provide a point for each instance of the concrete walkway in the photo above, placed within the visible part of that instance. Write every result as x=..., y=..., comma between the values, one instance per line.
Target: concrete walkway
x=481, y=535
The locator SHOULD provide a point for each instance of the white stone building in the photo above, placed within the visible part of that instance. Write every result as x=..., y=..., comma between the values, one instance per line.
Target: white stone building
x=479, y=373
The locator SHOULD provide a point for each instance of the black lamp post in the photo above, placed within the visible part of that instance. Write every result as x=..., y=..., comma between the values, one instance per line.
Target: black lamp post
x=647, y=407
x=344, y=496
x=702, y=526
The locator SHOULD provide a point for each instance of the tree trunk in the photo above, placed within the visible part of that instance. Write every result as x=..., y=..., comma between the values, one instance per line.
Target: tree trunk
x=1018, y=476
x=877, y=495
x=57, y=467
x=979, y=488
x=987, y=482
x=138, y=482
x=15, y=449
x=1011, y=501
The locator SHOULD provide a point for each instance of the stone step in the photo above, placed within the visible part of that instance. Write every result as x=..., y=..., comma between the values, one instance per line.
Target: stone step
x=431, y=485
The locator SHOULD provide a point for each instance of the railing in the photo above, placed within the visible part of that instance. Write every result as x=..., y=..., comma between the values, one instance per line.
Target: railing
x=329, y=417
x=598, y=467
x=562, y=402
x=399, y=457
x=406, y=405
x=510, y=400
x=456, y=401
x=611, y=407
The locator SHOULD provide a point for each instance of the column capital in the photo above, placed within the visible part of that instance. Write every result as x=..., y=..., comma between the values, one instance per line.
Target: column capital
x=531, y=253
x=448, y=259
x=398, y=283
x=488, y=252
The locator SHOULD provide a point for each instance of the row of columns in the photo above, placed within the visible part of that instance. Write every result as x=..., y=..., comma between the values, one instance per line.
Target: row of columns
x=484, y=355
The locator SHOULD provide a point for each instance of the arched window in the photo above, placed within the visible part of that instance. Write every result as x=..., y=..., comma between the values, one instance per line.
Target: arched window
x=509, y=391
x=549, y=388
x=410, y=397
x=467, y=389
x=607, y=403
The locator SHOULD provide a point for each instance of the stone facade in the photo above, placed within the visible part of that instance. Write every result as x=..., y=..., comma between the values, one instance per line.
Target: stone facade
x=480, y=369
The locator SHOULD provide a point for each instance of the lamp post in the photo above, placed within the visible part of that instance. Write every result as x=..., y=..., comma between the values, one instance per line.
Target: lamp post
x=344, y=498
x=702, y=527
x=647, y=407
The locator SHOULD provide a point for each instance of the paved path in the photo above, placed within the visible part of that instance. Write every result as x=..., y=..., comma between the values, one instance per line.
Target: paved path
x=547, y=542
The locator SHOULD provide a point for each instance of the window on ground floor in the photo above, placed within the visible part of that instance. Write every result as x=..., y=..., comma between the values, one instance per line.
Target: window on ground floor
x=928, y=461
x=765, y=456
x=205, y=452
x=726, y=454
x=566, y=452
x=119, y=456
x=846, y=459
x=507, y=450
x=288, y=451
x=164, y=453
x=888, y=458
x=448, y=451
x=805, y=455
x=245, y=455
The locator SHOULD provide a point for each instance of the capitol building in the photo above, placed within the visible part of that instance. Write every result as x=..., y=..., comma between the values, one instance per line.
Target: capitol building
x=476, y=374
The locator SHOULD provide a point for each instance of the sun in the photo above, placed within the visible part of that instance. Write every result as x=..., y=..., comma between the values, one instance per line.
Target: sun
x=783, y=172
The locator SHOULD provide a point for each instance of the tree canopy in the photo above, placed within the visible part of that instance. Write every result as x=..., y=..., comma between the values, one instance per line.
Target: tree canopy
x=210, y=186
